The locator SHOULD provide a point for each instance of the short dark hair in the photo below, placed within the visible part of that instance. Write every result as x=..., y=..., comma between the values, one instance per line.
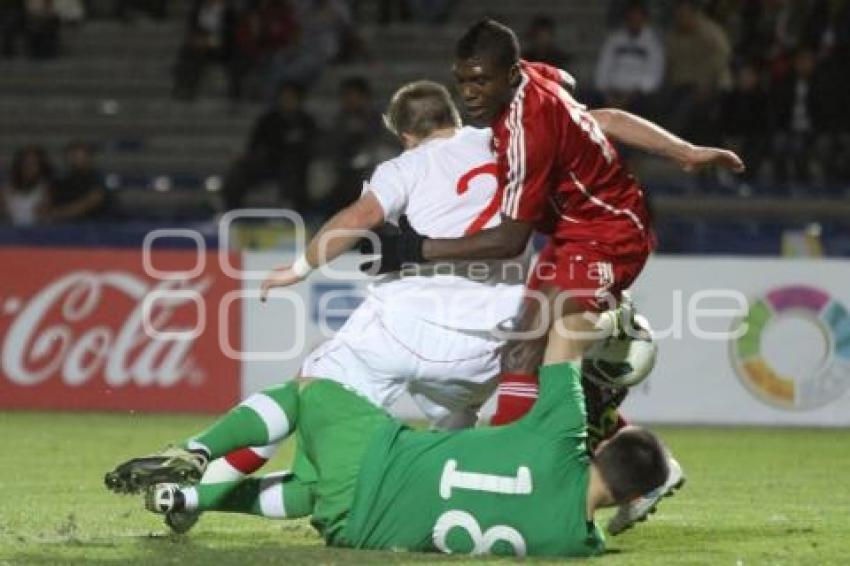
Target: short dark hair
x=488, y=39
x=358, y=84
x=16, y=175
x=632, y=463
x=419, y=108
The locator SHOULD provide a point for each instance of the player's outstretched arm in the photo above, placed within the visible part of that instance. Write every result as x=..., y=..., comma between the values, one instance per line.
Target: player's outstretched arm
x=505, y=241
x=637, y=132
x=335, y=237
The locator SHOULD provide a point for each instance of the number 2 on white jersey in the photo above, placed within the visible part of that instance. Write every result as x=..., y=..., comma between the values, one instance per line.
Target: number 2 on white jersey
x=492, y=207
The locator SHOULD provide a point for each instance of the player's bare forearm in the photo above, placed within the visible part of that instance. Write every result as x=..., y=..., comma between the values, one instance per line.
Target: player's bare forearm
x=335, y=237
x=504, y=241
x=639, y=133
x=344, y=229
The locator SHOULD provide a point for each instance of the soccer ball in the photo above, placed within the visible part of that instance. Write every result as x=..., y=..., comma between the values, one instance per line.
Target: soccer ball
x=624, y=359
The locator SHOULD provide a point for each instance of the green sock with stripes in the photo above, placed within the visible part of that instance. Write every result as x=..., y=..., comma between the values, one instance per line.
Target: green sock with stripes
x=263, y=418
x=276, y=496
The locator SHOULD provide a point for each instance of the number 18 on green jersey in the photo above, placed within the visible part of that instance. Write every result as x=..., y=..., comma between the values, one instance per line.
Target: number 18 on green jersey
x=518, y=490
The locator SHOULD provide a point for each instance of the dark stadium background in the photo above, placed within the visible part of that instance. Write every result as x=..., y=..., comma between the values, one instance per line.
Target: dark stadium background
x=164, y=146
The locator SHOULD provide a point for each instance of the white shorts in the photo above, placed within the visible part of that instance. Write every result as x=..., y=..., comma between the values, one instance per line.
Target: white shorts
x=449, y=373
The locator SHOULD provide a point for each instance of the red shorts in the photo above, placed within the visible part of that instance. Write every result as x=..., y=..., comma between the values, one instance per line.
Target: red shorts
x=593, y=275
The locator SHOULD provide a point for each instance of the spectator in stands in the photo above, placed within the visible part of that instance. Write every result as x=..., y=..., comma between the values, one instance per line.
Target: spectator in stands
x=42, y=25
x=630, y=67
x=12, y=18
x=124, y=9
x=390, y=11
x=261, y=32
x=802, y=107
x=698, y=70
x=745, y=119
x=698, y=51
x=833, y=41
x=71, y=12
x=79, y=195
x=325, y=27
x=541, y=44
x=280, y=148
x=430, y=11
x=356, y=139
x=209, y=35
x=829, y=26
x=25, y=199
x=769, y=29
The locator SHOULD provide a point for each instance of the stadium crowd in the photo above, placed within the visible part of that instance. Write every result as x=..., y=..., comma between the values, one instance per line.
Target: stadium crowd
x=764, y=77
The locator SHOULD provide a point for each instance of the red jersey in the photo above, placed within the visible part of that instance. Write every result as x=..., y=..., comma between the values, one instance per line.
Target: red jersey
x=559, y=171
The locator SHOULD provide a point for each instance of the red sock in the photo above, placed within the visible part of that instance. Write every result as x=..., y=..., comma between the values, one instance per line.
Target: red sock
x=246, y=460
x=516, y=395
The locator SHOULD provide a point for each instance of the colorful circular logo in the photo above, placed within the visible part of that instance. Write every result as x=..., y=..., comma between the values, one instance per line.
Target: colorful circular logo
x=805, y=390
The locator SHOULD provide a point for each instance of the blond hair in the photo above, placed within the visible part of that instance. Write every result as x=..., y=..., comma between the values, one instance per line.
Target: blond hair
x=419, y=108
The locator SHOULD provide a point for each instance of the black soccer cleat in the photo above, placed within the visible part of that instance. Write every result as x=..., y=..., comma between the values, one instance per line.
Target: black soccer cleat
x=172, y=465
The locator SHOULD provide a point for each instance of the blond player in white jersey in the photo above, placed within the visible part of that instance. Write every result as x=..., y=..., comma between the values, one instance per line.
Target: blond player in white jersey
x=429, y=334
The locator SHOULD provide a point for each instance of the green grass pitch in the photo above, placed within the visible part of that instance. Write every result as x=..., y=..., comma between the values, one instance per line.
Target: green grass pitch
x=755, y=496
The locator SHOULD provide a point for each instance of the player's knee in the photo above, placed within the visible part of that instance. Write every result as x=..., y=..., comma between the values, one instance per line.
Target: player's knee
x=286, y=397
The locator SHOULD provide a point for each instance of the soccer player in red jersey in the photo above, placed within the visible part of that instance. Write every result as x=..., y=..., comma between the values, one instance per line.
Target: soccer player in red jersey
x=562, y=177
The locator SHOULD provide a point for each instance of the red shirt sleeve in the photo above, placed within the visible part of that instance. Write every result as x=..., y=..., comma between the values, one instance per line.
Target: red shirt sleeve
x=526, y=156
x=551, y=73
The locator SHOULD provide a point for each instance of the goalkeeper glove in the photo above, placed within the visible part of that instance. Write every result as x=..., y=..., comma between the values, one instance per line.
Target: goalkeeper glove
x=397, y=247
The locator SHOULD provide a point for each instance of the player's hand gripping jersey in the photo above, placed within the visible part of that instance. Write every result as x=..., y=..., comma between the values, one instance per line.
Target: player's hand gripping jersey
x=448, y=187
x=561, y=172
x=462, y=492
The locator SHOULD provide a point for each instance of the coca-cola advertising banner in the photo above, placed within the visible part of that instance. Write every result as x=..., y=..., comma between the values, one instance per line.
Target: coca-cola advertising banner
x=117, y=329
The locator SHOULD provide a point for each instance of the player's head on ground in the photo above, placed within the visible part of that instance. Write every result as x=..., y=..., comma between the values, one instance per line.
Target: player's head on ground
x=419, y=109
x=486, y=68
x=631, y=463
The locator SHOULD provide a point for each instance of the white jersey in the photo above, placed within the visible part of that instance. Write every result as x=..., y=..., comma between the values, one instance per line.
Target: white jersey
x=448, y=188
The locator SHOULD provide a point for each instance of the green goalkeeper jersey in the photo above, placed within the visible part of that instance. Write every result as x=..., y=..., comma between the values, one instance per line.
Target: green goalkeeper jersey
x=519, y=489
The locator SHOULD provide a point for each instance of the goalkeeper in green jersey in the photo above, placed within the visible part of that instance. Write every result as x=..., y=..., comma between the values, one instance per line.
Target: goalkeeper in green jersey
x=368, y=481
